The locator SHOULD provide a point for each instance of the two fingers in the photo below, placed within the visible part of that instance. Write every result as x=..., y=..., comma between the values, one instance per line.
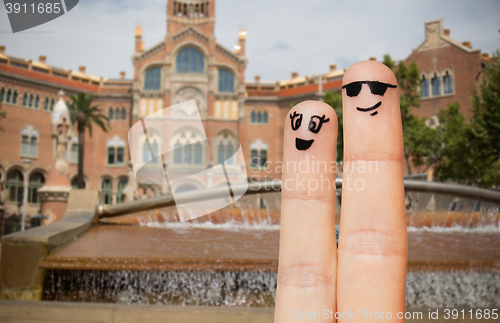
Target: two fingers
x=369, y=271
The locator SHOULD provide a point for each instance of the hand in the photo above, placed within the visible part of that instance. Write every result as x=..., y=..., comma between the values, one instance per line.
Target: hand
x=368, y=271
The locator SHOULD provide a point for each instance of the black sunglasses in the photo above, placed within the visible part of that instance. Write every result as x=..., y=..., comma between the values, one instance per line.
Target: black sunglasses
x=377, y=88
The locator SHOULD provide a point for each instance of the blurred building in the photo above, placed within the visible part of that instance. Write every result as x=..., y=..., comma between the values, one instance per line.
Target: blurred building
x=187, y=64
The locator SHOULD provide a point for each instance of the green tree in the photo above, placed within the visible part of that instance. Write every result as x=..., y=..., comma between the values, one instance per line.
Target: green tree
x=485, y=124
x=83, y=115
x=334, y=99
x=419, y=139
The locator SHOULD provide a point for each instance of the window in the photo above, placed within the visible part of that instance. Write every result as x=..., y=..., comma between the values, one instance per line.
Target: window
x=8, y=97
x=448, y=83
x=424, y=87
x=14, y=97
x=29, y=142
x=25, y=99
x=116, y=151
x=198, y=153
x=124, y=114
x=152, y=79
x=156, y=151
x=106, y=191
x=110, y=114
x=37, y=101
x=258, y=154
x=436, y=85
x=259, y=117
x=177, y=153
x=36, y=181
x=220, y=153
x=46, y=104
x=74, y=153
x=2, y=95
x=117, y=114
x=226, y=81
x=229, y=153
x=15, y=185
x=145, y=152
x=30, y=102
x=190, y=60
x=116, y=155
x=52, y=102
x=74, y=183
x=120, y=197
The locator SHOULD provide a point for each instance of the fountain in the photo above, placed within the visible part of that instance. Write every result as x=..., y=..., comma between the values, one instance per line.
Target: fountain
x=140, y=253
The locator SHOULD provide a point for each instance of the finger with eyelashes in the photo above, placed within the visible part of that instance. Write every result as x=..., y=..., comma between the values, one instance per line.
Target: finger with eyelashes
x=307, y=256
x=372, y=252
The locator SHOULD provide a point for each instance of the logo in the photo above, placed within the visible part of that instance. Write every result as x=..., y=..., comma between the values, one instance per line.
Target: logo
x=170, y=151
x=26, y=14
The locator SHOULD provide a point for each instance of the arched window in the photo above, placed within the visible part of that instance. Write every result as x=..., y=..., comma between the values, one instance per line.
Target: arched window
x=177, y=153
x=15, y=185
x=29, y=142
x=258, y=154
x=252, y=117
x=37, y=101
x=14, y=97
x=226, y=81
x=117, y=114
x=448, y=83
x=152, y=79
x=9, y=95
x=74, y=183
x=436, y=85
x=198, y=153
x=220, y=153
x=106, y=191
x=52, y=102
x=190, y=60
x=259, y=117
x=116, y=151
x=229, y=153
x=36, y=181
x=25, y=99
x=120, y=197
x=187, y=152
x=124, y=114
x=46, y=104
x=424, y=87
x=110, y=113
x=156, y=151
x=2, y=94
x=30, y=103
x=145, y=153
x=265, y=117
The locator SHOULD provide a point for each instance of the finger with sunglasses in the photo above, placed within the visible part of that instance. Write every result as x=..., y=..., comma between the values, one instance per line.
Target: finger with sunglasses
x=370, y=270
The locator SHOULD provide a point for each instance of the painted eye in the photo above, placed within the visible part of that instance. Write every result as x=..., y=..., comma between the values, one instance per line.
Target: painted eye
x=296, y=120
x=316, y=123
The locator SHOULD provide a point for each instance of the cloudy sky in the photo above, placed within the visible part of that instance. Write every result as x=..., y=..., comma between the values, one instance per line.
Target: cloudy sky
x=284, y=36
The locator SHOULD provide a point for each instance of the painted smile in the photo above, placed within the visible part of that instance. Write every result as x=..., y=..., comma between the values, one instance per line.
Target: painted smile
x=370, y=109
x=302, y=144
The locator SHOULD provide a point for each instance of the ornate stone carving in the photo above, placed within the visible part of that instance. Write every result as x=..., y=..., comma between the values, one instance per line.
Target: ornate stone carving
x=190, y=93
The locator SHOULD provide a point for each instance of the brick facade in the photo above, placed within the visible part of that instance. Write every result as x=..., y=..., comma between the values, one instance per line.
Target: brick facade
x=224, y=113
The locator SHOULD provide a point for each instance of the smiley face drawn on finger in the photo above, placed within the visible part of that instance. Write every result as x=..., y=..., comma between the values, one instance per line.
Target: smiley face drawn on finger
x=376, y=88
x=315, y=124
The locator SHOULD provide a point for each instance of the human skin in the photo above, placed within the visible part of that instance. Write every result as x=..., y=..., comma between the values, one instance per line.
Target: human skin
x=368, y=271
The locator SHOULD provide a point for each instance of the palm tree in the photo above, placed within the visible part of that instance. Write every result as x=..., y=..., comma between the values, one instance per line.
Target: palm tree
x=83, y=114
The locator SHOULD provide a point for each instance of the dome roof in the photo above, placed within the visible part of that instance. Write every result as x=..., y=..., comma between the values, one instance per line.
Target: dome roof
x=60, y=108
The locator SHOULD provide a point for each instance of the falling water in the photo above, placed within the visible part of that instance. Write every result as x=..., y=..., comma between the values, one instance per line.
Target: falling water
x=444, y=228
